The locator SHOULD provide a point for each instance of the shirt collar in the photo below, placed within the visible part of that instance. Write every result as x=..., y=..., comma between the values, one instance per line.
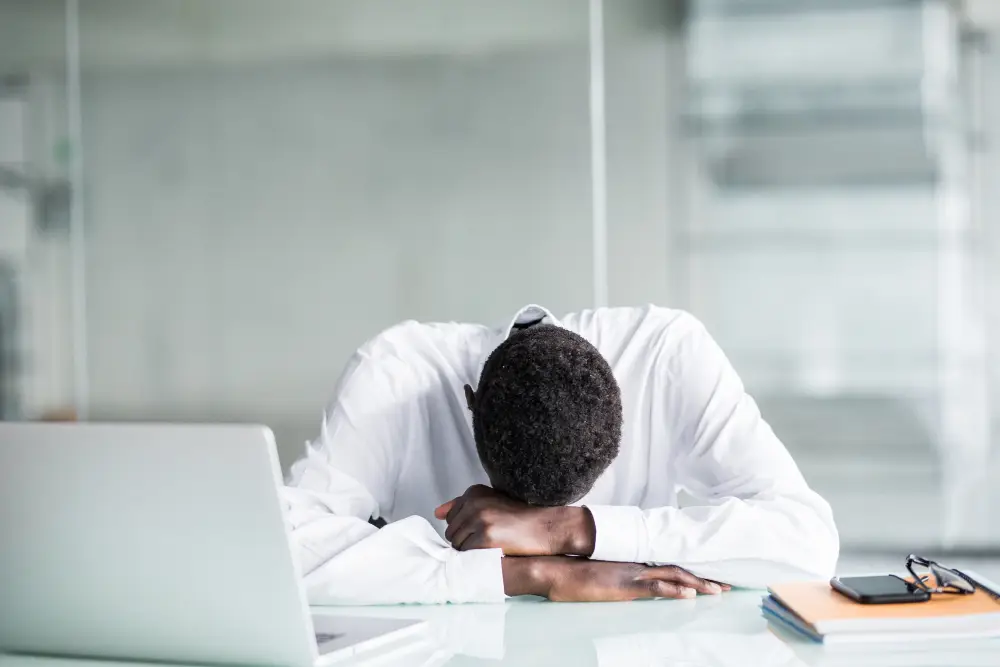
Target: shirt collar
x=527, y=316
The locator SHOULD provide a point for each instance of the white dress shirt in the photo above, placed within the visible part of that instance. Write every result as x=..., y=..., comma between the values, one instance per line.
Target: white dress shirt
x=397, y=441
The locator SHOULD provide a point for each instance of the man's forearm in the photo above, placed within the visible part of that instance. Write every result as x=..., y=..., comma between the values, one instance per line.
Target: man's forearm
x=532, y=575
x=483, y=518
x=571, y=579
x=523, y=575
x=577, y=531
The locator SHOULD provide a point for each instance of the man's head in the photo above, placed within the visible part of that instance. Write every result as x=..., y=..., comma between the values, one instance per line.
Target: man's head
x=547, y=416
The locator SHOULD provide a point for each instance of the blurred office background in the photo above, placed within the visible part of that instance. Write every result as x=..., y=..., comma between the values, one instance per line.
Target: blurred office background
x=207, y=205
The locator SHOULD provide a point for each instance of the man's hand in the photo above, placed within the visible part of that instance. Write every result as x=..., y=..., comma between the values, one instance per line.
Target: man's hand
x=482, y=518
x=566, y=579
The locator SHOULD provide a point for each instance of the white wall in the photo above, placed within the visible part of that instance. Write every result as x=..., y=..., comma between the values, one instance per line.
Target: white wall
x=249, y=227
x=645, y=164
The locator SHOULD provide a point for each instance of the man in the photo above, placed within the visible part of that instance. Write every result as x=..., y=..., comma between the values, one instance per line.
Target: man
x=547, y=458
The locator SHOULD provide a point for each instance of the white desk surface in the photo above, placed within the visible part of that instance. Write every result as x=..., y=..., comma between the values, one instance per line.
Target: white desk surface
x=726, y=631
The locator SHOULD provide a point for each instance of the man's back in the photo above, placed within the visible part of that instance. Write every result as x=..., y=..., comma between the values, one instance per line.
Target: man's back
x=421, y=370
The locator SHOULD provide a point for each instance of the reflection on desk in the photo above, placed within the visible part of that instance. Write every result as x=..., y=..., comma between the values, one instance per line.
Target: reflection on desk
x=724, y=631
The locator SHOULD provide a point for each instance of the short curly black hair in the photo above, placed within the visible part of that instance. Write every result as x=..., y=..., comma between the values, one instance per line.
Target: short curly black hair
x=547, y=416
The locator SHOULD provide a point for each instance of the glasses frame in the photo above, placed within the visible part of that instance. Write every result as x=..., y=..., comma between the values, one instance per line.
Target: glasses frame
x=955, y=582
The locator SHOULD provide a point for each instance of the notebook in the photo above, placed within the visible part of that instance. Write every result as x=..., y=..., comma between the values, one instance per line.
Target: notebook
x=816, y=612
x=972, y=653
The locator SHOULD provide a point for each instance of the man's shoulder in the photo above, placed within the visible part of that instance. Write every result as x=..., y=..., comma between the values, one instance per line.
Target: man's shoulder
x=413, y=342
x=411, y=356
x=640, y=338
x=632, y=322
x=647, y=339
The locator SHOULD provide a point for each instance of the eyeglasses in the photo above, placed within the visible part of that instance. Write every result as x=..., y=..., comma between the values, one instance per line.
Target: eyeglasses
x=947, y=581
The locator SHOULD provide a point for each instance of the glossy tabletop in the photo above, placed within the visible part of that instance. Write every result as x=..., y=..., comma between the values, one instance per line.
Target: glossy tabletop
x=727, y=630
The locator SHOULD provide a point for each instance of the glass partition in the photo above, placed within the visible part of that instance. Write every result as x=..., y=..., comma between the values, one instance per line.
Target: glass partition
x=36, y=344
x=270, y=184
x=802, y=177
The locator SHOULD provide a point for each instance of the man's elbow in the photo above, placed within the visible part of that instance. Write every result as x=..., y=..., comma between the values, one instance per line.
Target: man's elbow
x=821, y=548
x=830, y=552
x=808, y=544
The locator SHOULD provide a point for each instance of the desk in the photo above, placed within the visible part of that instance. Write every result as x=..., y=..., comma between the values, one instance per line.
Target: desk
x=725, y=631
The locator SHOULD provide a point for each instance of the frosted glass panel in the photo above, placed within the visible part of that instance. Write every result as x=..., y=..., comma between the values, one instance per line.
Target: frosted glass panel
x=795, y=175
x=258, y=208
x=849, y=321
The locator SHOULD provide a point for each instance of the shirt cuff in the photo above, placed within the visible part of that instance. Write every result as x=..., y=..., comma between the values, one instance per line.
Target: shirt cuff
x=475, y=576
x=620, y=535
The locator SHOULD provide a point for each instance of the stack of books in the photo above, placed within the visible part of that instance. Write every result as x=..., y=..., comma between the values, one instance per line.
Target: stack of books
x=816, y=612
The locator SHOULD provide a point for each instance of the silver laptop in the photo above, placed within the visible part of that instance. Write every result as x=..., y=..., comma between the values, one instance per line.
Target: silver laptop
x=158, y=542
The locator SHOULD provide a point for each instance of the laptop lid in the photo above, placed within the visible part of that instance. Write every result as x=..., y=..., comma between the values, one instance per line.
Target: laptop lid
x=151, y=542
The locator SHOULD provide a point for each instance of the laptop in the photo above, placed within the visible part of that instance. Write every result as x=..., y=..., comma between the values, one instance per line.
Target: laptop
x=160, y=543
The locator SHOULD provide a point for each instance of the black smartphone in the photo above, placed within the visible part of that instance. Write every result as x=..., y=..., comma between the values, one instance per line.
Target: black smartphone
x=881, y=589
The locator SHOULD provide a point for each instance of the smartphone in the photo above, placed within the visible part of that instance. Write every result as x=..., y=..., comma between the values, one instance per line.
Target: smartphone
x=881, y=589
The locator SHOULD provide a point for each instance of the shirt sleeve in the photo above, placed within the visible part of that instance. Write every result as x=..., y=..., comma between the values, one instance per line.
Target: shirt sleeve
x=759, y=522
x=347, y=477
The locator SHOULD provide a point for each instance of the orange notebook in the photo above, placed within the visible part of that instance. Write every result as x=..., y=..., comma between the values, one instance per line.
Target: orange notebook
x=826, y=612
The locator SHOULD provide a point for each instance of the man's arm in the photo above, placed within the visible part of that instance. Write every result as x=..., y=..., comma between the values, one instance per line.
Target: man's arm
x=482, y=518
x=348, y=561
x=760, y=522
x=536, y=540
x=570, y=579
x=346, y=478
